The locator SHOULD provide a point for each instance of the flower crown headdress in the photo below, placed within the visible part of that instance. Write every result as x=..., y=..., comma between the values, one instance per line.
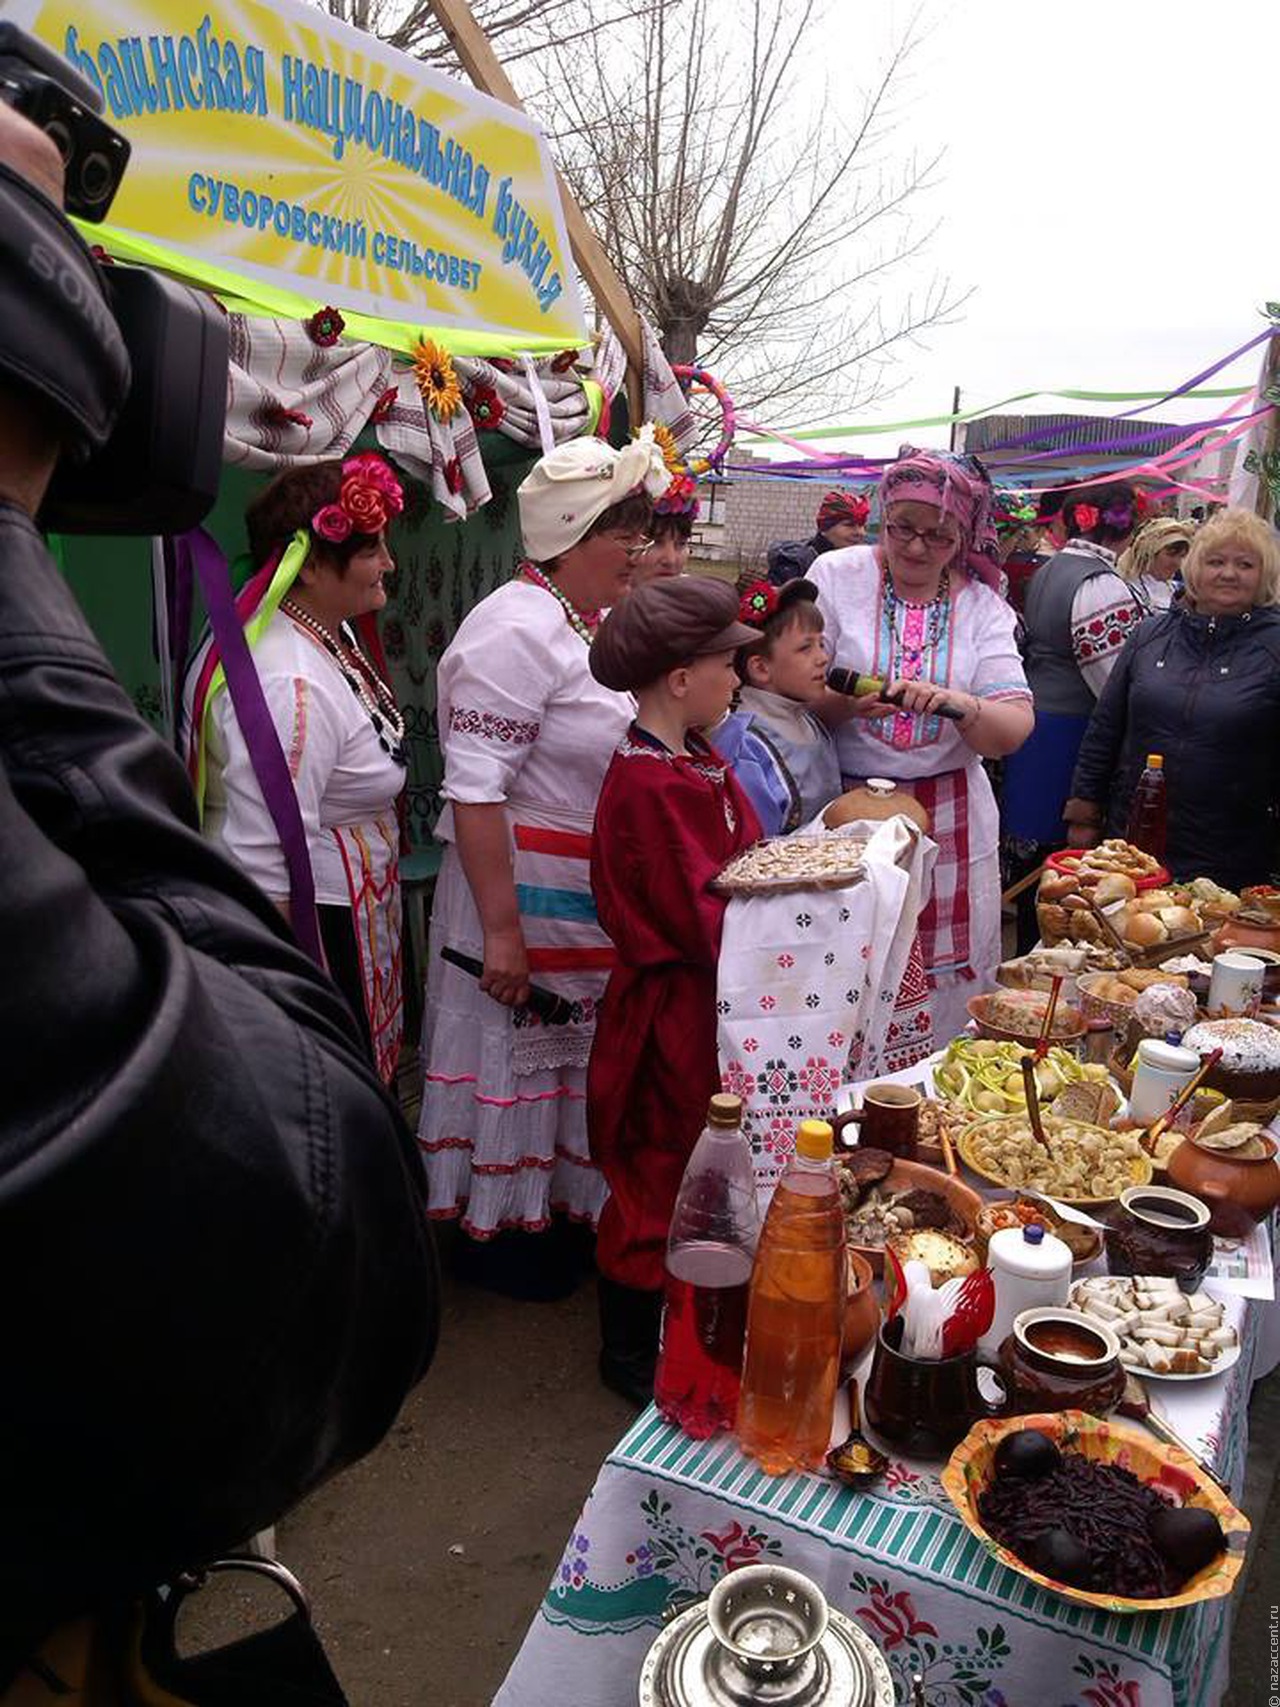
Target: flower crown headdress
x=369, y=496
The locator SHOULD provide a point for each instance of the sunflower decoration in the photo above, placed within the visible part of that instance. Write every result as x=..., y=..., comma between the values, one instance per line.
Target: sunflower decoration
x=665, y=441
x=434, y=375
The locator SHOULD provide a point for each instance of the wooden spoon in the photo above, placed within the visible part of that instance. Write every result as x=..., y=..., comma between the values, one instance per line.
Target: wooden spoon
x=1033, y=1098
x=1153, y=1132
x=1055, y=989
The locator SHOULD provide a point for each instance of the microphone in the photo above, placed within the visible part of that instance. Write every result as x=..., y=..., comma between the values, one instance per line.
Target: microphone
x=858, y=687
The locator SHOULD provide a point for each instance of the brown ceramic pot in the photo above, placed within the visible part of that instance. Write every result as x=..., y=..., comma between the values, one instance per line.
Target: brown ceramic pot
x=925, y=1406
x=1239, y=1193
x=1056, y=1361
x=861, y=1309
x=1254, y=929
x=1154, y=1230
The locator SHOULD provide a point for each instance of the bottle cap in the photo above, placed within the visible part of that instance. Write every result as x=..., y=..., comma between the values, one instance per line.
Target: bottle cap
x=815, y=1140
x=724, y=1110
x=1033, y=1232
x=1155, y=762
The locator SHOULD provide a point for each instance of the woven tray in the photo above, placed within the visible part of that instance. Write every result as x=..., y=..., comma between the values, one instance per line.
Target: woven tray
x=781, y=864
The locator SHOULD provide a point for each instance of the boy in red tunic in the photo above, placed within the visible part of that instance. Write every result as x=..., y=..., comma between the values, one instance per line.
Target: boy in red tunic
x=669, y=817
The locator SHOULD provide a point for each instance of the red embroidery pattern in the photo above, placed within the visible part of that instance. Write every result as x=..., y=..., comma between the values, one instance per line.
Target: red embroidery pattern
x=464, y=721
x=1104, y=632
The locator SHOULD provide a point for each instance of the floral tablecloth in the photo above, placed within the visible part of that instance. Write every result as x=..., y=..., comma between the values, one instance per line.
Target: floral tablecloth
x=669, y=1515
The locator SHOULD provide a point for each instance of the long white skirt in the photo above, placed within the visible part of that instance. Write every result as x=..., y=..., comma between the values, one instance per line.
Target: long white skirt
x=501, y=1150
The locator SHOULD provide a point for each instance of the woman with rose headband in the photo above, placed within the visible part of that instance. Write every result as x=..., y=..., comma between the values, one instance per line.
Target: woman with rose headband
x=1078, y=614
x=919, y=612
x=527, y=734
x=317, y=541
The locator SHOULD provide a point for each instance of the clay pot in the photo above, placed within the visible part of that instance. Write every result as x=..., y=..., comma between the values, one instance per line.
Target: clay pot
x=1088, y=1376
x=1239, y=1193
x=861, y=1309
x=1153, y=1230
x=1254, y=929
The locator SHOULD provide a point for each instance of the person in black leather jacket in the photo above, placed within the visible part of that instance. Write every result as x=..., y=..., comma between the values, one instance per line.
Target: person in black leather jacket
x=1199, y=684
x=218, y=1280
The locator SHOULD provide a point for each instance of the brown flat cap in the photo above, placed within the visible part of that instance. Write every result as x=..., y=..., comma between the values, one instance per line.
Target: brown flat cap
x=664, y=624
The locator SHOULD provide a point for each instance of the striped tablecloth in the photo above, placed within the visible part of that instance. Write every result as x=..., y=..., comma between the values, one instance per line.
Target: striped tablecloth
x=669, y=1515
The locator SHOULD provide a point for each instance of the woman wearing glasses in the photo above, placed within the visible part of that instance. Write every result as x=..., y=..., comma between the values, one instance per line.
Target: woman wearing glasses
x=527, y=734
x=919, y=612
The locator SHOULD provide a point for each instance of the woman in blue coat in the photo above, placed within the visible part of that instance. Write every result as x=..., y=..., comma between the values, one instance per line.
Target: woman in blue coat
x=1199, y=684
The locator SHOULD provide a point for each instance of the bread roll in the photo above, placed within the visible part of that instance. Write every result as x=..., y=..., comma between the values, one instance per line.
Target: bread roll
x=1179, y=921
x=1142, y=977
x=1113, y=887
x=1054, y=885
x=1144, y=930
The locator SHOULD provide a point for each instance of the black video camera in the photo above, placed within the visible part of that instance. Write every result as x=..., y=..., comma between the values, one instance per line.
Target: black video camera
x=158, y=471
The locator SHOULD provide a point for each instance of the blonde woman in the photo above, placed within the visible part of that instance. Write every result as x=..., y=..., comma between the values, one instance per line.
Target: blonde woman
x=1154, y=561
x=1200, y=684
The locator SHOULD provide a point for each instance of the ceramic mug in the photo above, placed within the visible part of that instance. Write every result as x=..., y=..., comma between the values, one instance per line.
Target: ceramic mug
x=925, y=1406
x=889, y=1119
x=1236, y=985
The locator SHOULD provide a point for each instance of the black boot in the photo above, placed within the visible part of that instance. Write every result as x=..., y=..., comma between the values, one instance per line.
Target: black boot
x=629, y=1323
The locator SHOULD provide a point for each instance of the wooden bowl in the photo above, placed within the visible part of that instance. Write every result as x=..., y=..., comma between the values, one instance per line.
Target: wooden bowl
x=1069, y=1024
x=861, y=1307
x=912, y=1176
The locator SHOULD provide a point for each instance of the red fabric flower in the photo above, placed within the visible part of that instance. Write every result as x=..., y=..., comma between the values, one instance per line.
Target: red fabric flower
x=758, y=603
x=281, y=416
x=383, y=407
x=487, y=408
x=325, y=327
x=1087, y=517
x=564, y=361
x=332, y=523
x=373, y=470
x=453, y=475
x=364, y=504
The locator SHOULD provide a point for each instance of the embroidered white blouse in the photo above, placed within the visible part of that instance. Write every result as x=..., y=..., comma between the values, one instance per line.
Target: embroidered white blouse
x=975, y=653
x=521, y=715
x=342, y=776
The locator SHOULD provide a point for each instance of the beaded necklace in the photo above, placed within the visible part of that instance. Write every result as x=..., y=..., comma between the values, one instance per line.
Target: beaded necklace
x=582, y=622
x=365, y=683
x=938, y=611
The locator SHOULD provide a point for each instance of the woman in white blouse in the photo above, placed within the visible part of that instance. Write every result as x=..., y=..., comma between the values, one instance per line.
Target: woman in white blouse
x=527, y=734
x=919, y=612
x=317, y=538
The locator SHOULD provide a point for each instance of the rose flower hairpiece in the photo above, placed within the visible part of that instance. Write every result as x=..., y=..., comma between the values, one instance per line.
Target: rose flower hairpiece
x=369, y=496
x=757, y=603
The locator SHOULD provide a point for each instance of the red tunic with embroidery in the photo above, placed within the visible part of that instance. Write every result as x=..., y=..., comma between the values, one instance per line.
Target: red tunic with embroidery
x=665, y=826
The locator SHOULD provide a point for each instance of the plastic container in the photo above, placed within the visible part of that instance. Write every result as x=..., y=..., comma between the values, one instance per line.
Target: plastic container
x=1162, y=1070
x=795, y=1313
x=1148, y=810
x=715, y=1228
x=1031, y=1268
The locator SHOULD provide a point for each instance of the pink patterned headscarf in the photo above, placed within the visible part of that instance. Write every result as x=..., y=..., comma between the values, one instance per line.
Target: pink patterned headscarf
x=957, y=486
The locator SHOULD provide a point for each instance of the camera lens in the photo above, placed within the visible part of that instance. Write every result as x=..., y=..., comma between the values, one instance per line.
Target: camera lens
x=96, y=178
x=60, y=136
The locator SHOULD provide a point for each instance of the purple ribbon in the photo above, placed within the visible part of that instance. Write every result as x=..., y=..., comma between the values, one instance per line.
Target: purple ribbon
x=256, y=725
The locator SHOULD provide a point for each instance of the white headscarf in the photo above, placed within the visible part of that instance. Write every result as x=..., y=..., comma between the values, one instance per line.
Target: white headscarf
x=577, y=482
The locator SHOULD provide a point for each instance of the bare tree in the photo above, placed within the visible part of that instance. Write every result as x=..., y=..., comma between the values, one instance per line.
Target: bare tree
x=758, y=225
x=517, y=28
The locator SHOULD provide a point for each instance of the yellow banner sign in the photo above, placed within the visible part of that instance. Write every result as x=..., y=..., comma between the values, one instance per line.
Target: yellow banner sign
x=289, y=151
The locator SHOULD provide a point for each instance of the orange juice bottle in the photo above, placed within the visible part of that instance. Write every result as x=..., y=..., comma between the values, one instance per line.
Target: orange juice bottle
x=795, y=1312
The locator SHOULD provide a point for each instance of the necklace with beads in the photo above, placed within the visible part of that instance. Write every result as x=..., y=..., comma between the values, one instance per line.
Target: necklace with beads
x=583, y=623
x=938, y=610
x=372, y=692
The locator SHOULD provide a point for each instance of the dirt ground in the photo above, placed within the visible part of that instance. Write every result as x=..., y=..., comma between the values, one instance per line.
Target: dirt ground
x=426, y=1562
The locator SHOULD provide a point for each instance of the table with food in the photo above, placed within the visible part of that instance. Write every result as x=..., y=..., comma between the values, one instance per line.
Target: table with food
x=952, y=1400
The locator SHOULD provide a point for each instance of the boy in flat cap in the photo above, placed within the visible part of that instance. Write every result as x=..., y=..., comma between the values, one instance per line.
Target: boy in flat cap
x=669, y=817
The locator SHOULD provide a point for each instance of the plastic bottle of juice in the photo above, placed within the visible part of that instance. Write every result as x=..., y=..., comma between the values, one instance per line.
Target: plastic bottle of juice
x=714, y=1232
x=795, y=1312
x=1148, y=809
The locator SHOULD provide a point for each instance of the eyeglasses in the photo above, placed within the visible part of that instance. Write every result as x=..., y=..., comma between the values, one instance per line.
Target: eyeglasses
x=636, y=550
x=933, y=539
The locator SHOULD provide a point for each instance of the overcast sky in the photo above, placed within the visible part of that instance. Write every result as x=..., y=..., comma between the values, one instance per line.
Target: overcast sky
x=1111, y=191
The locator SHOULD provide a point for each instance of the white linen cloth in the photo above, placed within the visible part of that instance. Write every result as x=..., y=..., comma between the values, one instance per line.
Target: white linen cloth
x=807, y=984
